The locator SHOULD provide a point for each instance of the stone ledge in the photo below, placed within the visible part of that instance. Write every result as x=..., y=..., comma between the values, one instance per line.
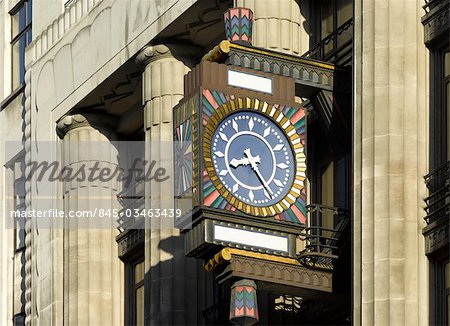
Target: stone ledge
x=276, y=274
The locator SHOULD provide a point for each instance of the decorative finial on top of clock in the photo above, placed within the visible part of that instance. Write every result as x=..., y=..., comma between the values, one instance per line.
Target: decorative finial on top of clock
x=239, y=25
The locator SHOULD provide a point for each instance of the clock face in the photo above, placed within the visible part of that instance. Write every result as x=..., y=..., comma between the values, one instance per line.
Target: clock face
x=252, y=158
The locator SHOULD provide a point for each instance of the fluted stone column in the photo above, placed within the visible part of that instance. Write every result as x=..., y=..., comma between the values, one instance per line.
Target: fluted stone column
x=170, y=282
x=93, y=273
x=279, y=25
x=390, y=153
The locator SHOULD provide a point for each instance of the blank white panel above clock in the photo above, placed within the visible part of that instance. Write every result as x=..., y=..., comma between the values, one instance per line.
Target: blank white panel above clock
x=251, y=238
x=250, y=81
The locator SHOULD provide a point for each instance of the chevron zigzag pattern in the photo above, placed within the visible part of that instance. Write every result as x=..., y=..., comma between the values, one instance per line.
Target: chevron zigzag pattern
x=243, y=300
x=238, y=24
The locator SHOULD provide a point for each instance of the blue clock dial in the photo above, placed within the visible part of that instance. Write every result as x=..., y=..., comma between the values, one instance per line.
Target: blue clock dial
x=252, y=158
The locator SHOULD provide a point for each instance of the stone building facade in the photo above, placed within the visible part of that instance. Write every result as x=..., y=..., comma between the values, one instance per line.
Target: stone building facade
x=108, y=70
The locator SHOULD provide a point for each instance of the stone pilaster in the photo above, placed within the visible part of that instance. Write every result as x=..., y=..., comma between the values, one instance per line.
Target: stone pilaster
x=279, y=25
x=93, y=273
x=170, y=282
x=390, y=153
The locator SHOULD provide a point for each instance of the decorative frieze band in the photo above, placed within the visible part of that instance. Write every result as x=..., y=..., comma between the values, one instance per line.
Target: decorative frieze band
x=281, y=273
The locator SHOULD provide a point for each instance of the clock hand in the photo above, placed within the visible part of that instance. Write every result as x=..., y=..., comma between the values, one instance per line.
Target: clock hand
x=266, y=186
x=255, y=168
x=243, y=161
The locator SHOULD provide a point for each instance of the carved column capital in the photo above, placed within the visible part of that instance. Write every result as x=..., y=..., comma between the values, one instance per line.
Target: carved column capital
x=101, y=122
x=189, y=54
x=151, y=53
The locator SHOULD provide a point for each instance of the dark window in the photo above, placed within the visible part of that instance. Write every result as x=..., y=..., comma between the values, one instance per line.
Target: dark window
x=447, y=291
x=440, y=289
x=139, y=293
x=438, y=178
x=332, y=31
x=446, y=99
x=19, y=320
x=439, y=108
x=134, y=291
x=20, y=37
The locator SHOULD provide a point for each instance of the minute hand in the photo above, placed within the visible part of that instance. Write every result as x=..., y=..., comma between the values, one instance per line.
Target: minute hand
x=254, y=167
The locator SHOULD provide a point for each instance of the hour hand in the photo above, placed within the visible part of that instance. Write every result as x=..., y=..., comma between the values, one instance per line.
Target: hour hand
x=244, y=161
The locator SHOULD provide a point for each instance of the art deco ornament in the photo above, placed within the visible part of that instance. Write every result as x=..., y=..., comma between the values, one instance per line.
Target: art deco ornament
x=239, y=25
x=244, y=304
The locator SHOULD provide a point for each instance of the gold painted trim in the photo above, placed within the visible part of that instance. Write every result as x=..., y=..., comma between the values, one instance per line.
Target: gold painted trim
x=224, y=111
x=223, y=49
x=225, y=255
x=218, y=52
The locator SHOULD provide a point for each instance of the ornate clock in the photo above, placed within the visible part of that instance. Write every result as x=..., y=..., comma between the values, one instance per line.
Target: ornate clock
x=252, y=161
x=252, y=158
x=246, y=137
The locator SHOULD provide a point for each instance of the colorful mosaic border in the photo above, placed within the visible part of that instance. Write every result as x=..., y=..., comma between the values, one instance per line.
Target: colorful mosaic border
x=186, y=136
x=183, y=157
x=218, y=105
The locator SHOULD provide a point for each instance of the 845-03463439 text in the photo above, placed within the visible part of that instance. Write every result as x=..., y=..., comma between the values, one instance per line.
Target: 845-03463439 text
x=98, y=213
